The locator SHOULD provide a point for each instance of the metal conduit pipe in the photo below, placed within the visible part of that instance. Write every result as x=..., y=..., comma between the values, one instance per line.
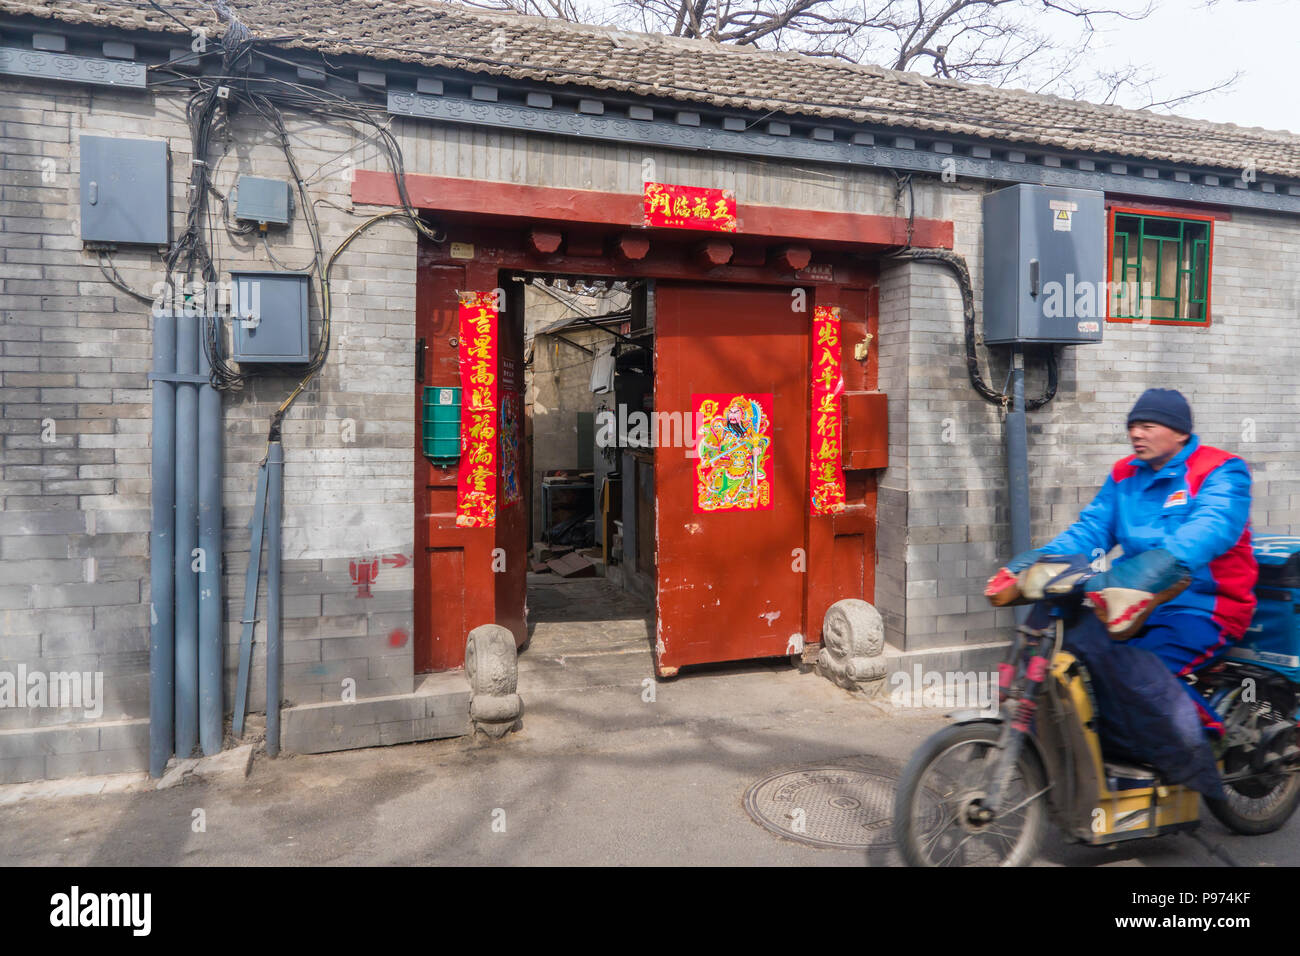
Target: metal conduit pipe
x=1017, y=443
x=187, y=533
x=161, y=552
x=274, y=647
x=209, y=579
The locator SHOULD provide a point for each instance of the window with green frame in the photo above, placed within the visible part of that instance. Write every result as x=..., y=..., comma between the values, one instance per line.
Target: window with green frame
x=1160, y=268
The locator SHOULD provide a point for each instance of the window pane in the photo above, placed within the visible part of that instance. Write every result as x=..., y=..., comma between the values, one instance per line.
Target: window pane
x=1168, y=269
x=1165, y=263
x=1165, y=228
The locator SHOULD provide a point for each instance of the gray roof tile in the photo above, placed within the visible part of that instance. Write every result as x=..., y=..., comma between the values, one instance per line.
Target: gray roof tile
x=695, y=71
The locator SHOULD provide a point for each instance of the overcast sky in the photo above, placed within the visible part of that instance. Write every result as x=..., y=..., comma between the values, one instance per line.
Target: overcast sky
x=1193, y=46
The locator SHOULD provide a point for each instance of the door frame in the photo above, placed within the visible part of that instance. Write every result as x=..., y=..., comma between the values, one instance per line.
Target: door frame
x=592, y=233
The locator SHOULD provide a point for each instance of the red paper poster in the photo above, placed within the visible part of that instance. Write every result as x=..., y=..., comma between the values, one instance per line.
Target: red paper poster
x=734, y=442
x=476, y=478
x=826, y=464
x=690, y=207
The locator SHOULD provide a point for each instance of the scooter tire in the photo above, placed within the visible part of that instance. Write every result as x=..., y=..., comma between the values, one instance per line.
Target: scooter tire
x=909, y=825
x=1228, y=813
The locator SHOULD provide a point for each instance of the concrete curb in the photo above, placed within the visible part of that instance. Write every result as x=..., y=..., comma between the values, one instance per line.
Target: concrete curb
x=227, y=764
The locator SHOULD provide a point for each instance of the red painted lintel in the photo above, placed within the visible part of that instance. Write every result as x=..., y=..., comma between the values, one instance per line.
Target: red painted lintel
x=592, y=207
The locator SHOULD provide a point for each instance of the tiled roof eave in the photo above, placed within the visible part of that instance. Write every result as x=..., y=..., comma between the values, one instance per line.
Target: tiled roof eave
x=707, y=76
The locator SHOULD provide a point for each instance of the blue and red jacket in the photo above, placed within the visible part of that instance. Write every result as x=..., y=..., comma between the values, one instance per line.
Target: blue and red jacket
x=1197, y=507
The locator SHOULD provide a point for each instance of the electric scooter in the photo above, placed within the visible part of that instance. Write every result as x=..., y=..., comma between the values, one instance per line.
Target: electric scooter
x=984, y=790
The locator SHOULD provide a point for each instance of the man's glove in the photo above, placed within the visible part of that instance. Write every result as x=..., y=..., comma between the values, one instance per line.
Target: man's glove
x=1125, y=596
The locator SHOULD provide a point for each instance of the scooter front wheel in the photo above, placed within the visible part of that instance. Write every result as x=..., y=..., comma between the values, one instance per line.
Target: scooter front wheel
x=939, y=819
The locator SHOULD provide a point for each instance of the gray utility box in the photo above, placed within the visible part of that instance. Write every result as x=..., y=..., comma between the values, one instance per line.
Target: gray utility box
x=125, y=190
x=1044, y=265
x=269, y=312
x=263, y=200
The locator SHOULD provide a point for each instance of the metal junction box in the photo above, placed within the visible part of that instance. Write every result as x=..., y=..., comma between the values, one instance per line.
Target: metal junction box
x=1044, y=265
x=270, y=316
x=125, y=190
x=441, y=424
x=263, y=200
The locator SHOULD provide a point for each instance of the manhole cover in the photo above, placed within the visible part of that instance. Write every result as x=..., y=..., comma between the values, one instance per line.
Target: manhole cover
x=829, y=806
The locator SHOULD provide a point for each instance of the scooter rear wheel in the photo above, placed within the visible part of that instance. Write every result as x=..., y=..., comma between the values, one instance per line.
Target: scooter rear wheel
x=936, y=809
x=1257, y=806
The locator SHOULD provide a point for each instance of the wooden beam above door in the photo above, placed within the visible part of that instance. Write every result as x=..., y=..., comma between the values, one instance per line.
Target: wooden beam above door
x=516, y=201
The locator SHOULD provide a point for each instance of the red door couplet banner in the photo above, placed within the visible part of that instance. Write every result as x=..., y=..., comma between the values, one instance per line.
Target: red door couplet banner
x=690, y=207
x=476, y=479
x=826, y=462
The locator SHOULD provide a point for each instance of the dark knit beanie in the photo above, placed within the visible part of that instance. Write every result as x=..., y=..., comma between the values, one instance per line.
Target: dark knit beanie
x=1165, y=406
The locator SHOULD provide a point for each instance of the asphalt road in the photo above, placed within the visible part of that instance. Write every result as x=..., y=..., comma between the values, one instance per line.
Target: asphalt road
x=599, y=774
x=597, y=777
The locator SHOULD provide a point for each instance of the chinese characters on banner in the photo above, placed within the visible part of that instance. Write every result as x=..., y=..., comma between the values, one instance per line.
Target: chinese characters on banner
x=690, y=207
x=734, y=442
x=476, y=479
x=826, y=462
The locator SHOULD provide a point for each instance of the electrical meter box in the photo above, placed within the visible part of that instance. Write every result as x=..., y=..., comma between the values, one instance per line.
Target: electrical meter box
x=269, y=312
x=125, y=189
x=441, y=424
x=1044, y=265
x=262, y=200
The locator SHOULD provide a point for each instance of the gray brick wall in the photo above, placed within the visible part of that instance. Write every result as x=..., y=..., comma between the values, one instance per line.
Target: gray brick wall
x=946, y=484
x=75, y=354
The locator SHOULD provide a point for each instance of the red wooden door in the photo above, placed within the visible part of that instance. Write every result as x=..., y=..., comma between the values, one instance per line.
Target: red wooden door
x=467, y=576
x=731, y=526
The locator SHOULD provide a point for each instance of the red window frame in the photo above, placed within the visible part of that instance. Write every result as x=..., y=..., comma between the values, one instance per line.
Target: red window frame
x=1164, y=212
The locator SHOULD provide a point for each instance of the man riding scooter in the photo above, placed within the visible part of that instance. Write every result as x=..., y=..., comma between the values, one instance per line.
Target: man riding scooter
x=1182, y=592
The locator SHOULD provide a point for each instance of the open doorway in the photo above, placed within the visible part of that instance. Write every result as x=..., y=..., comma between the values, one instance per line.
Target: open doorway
x=723, y=546
x=588, y=372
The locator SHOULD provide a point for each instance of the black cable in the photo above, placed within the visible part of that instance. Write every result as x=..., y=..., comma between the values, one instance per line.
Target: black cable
x=232, y=227
x=266, y=246
x=957, y=264
x=112, y=275
x=327, y=105
x=156, y=6
x=192, y=252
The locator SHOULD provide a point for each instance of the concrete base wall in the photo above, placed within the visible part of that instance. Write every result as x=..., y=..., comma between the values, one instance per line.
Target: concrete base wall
x=439, y=708
x=116, y=746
